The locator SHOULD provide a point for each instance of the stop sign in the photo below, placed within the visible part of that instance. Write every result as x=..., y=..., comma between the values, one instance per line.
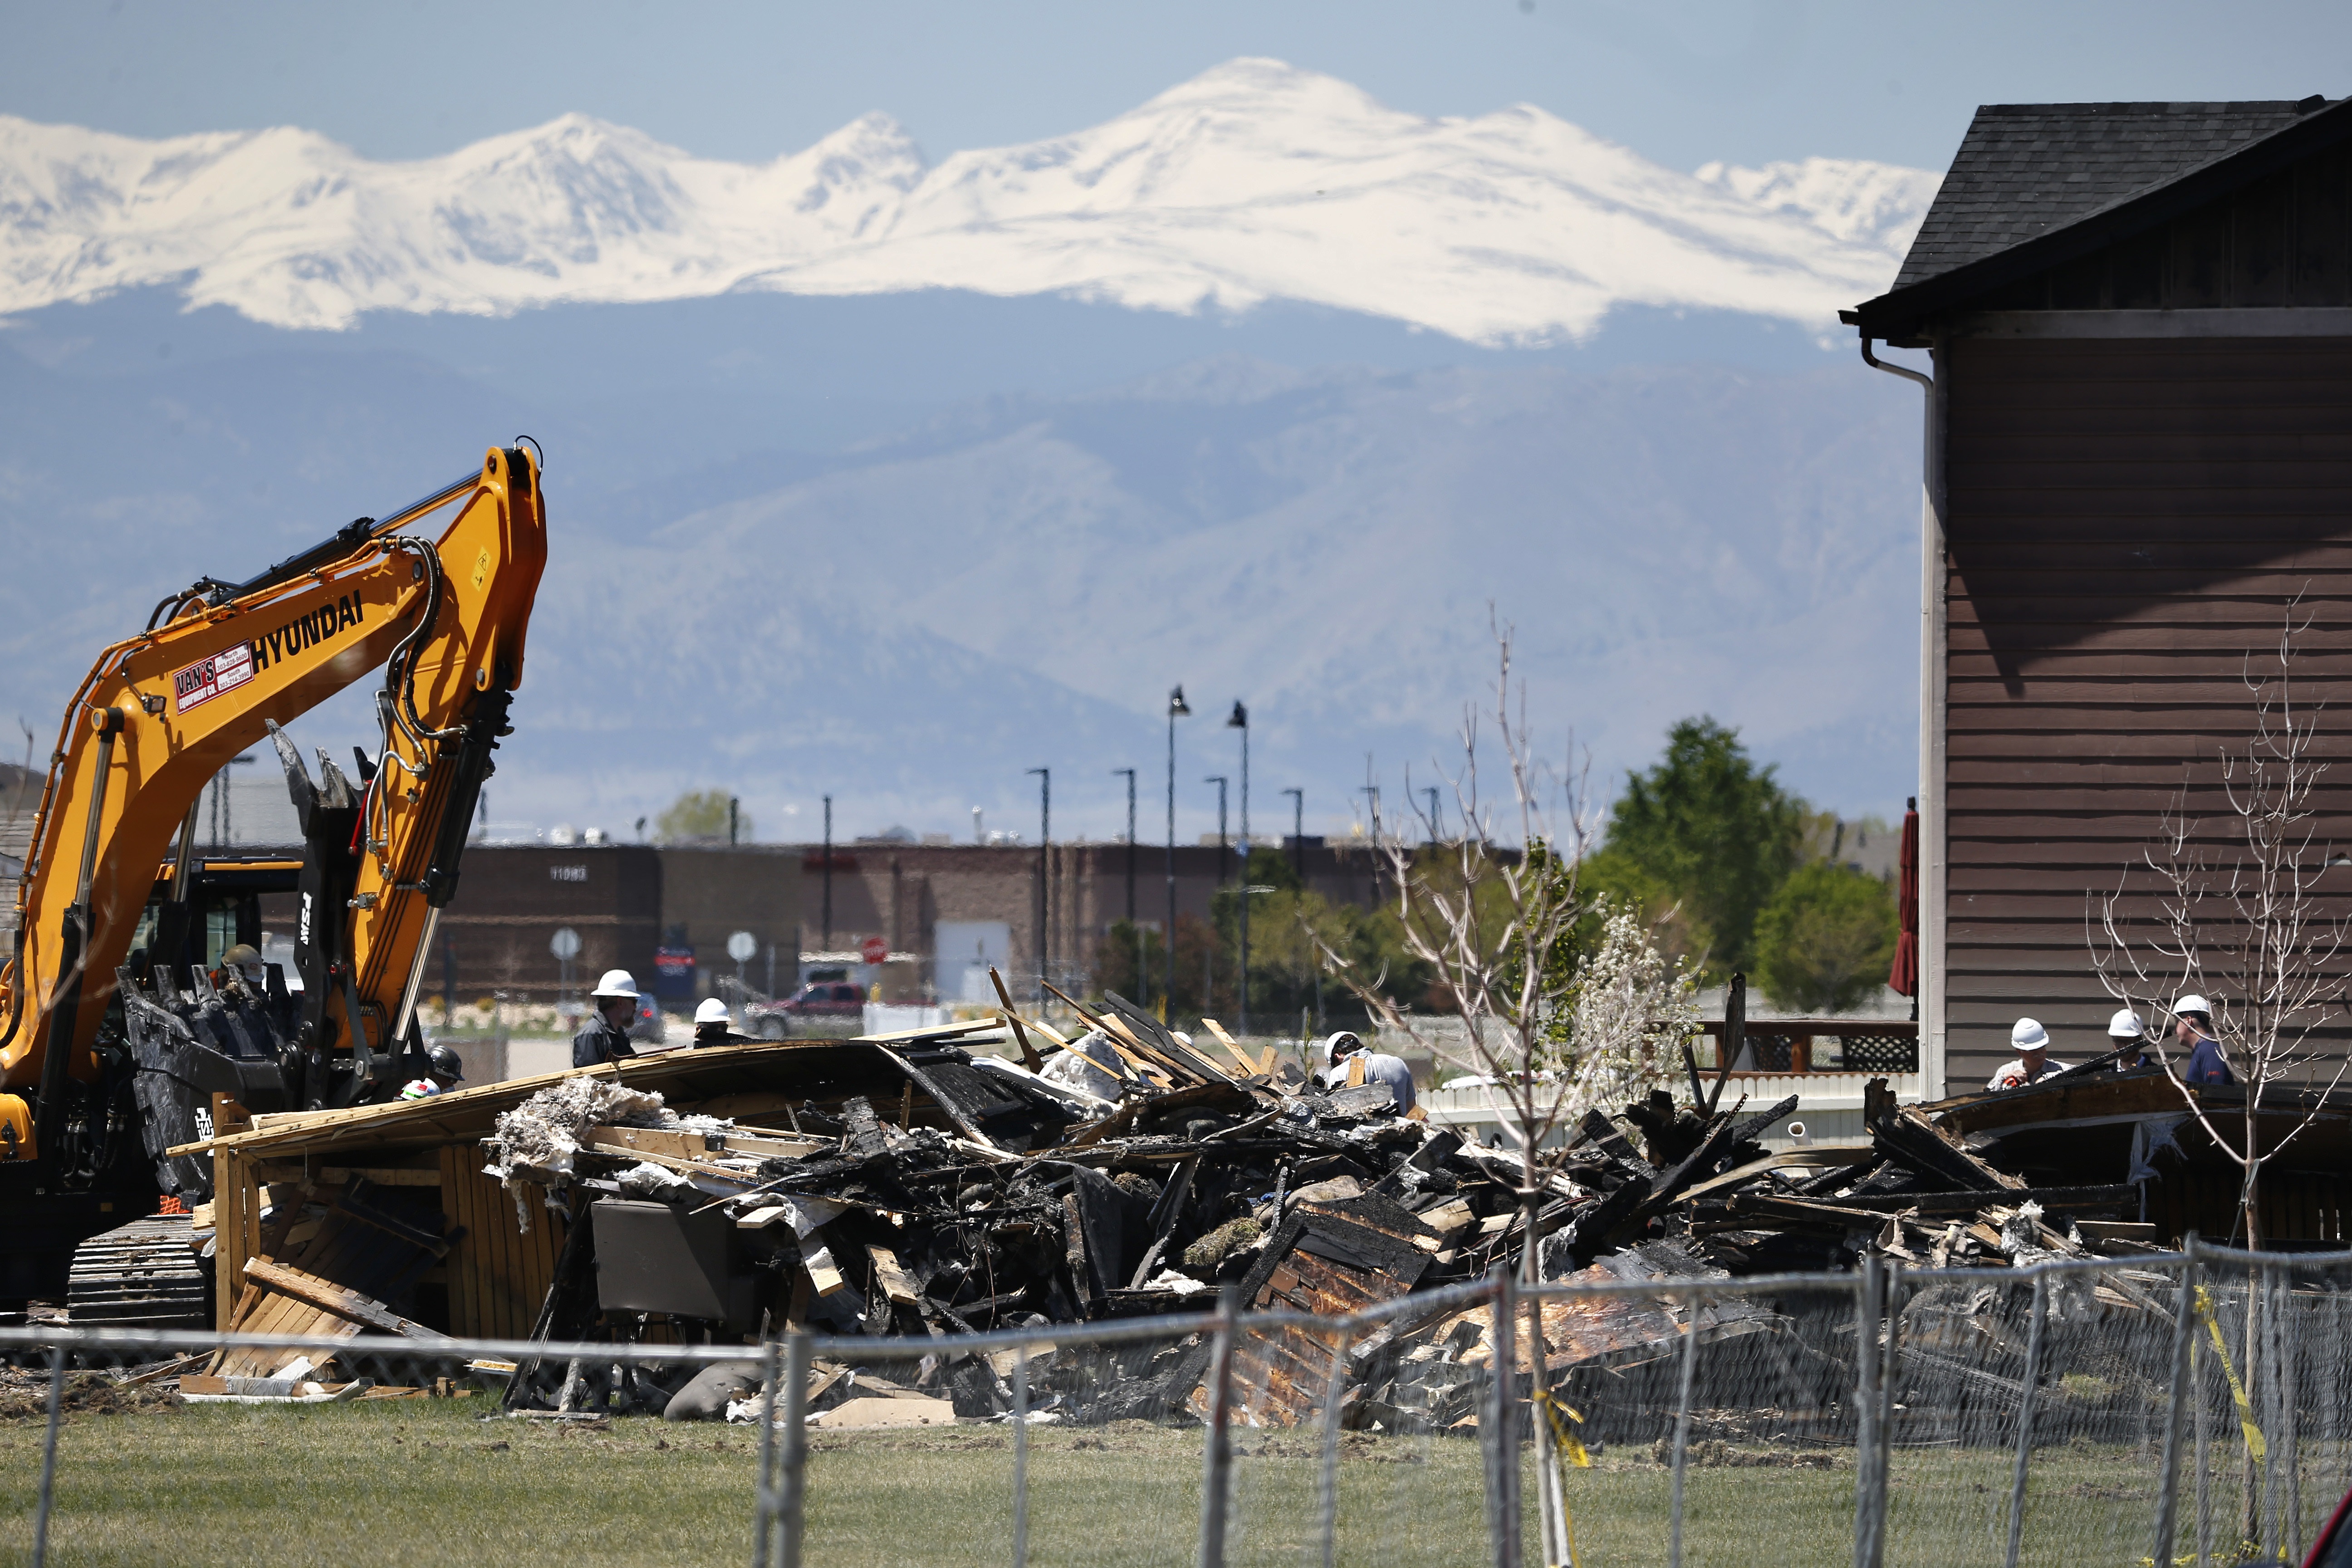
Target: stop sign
x=874, y=950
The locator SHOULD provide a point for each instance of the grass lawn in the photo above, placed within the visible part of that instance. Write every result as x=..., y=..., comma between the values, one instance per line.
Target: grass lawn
x=429, y=1483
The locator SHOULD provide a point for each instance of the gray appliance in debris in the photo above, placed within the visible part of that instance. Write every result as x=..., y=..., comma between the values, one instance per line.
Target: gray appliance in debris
x=660, y=1257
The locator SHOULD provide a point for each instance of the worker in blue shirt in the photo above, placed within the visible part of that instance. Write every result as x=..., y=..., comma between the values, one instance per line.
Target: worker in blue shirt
x=2193, y=1027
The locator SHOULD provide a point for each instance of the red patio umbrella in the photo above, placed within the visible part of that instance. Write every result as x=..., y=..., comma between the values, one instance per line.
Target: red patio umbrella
x=1904, y=976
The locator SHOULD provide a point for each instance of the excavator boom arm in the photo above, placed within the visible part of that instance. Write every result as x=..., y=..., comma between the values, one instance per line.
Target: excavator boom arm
x=161, y=712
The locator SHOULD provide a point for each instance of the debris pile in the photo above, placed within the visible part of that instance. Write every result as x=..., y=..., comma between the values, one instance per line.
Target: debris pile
x=1134, y=1173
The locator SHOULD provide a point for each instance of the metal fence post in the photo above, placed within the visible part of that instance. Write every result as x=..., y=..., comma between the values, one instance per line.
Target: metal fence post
x=764, y=1528
x=1501, y=1430
x=793, y=1493
x=1216, y=1446
x=2198, y=1379
x=1328, y=1502
x=1870, y=1293
x=49, y=1458
x=1020, y=1456
x=2168, y=1508
x=2290, y=1437
x=2025, y=1419
x=1682, y=1424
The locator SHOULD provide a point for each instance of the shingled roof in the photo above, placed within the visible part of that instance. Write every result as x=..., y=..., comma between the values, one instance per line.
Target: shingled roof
x=2034, y=183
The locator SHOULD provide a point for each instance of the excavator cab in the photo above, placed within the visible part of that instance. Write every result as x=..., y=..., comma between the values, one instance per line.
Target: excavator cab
x=192, y=1027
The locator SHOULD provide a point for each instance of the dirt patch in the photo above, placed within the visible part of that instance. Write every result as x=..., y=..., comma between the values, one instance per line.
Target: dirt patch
x=1713, y=1453
x=1360, y=1446
x=944, y=1443
x=25, y=1395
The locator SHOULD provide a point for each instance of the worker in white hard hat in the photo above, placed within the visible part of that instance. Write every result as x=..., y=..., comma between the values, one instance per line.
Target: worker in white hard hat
x=2129, y=1035
x=2192, y=1025
x=712, y=1027
x=2031, y=1043
x=605, y=1036
x=1351, y=1064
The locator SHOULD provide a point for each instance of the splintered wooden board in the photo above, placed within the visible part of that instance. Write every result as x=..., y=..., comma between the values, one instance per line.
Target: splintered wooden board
x=1285, y=1375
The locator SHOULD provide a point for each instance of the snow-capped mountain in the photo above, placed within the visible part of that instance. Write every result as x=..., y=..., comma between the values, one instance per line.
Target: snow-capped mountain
x=1254, y=182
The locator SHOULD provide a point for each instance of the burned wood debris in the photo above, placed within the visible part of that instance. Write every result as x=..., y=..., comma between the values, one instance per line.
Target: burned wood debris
x=920, y=1189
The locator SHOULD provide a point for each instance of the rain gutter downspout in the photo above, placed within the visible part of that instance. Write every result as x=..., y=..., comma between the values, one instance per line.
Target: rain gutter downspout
x=1932, y=688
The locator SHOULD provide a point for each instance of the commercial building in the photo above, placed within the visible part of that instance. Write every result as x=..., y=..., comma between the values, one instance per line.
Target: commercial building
x=943, y=912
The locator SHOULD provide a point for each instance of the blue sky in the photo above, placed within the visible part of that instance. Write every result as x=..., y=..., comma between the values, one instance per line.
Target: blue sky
x=1743, y=79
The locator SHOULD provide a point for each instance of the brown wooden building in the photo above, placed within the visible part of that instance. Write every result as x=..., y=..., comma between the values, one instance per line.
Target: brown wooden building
x=2139, y=454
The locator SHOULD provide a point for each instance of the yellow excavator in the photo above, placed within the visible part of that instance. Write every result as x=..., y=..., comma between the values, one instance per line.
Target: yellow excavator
x=116, y=1031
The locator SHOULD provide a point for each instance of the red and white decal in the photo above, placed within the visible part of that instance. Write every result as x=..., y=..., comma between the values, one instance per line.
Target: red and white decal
x=207, y=678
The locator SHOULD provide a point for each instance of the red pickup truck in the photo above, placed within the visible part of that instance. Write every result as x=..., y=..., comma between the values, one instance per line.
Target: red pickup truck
x=832, y=1003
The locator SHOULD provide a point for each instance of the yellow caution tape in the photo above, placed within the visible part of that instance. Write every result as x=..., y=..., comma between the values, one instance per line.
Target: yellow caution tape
x=2255, y=1445
x=1571, y=1450
x=1560, y=1415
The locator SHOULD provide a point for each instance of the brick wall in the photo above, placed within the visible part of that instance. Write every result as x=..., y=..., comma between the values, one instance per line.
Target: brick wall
x=512, y=899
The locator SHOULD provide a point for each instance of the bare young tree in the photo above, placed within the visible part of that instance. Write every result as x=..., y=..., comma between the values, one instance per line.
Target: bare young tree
x=2248, y=928
x=1546, y=1032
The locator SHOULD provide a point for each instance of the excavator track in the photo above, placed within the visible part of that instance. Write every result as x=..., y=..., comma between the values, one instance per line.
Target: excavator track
x=140, y=1275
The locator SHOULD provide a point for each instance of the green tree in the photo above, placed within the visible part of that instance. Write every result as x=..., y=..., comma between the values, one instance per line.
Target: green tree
x=1825, y=939
x=699, y=814
x=1709, y=831
x=1284, y=925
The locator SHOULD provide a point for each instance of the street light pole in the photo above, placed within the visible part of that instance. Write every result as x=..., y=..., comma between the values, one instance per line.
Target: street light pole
x=1432, y=793
x=1177, y=709
x=1141, y=981
x=1298, y=866
x=1219, y=780
x=1298, y=835
x=1044, y=946
x=1239, y=720
x=827, y=940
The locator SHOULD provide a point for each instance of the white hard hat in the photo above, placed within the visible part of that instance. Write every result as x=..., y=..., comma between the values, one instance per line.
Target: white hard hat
x=712, y=1011
x=617, y=982
x=2029, y=1035
x=1331, y=1045
x=2193, y=1004
x=2125, y=1025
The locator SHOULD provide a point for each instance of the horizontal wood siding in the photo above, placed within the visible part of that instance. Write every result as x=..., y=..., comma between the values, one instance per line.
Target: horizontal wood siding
x=2127, y=521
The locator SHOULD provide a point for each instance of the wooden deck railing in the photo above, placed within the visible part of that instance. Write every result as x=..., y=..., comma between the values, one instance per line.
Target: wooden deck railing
x=1817, y=1046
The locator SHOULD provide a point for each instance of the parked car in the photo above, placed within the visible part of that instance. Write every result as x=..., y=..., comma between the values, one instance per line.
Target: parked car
x=824, y=1004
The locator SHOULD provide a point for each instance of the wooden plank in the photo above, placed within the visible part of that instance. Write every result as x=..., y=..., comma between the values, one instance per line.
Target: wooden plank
x=597, y=1141
x=895, y=1282
x=662, y=1145
x=479, y=1238
x=1249, y=1068
x=500, y=1233
x=539, y=1270
x=494, y=1210
x=1029, y=1057
x=331, y=1297
x=1134, y=1052
x=249, y=1217
x=456, y=1198
x=226, y=1274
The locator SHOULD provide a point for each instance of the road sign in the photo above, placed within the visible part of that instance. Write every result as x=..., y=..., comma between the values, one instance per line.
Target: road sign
x=874, y=950
x=564, y=944
x=741, y=946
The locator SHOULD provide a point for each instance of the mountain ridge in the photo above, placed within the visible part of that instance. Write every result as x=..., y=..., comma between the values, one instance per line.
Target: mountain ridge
x=1252, y=181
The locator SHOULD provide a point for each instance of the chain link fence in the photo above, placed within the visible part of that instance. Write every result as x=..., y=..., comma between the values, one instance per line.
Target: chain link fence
x=2180, y=1408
